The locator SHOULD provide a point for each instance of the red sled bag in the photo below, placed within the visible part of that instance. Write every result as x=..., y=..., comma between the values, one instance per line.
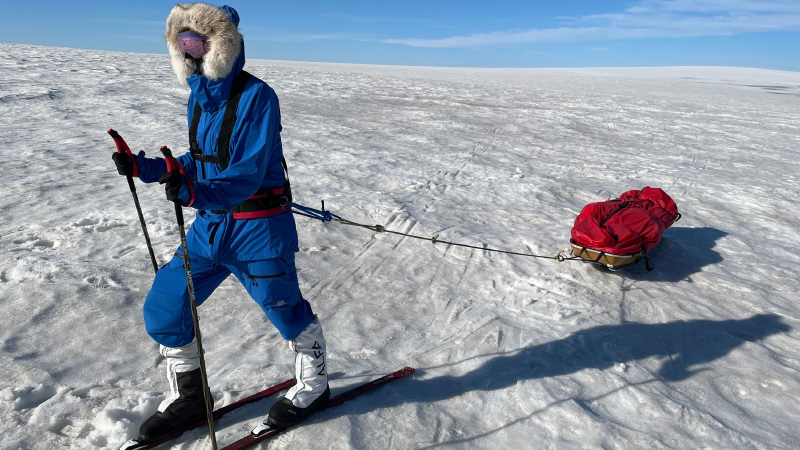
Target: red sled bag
x=619, y=232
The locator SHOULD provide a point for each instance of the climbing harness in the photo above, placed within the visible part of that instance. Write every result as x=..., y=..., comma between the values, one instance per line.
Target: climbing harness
x=265, y=202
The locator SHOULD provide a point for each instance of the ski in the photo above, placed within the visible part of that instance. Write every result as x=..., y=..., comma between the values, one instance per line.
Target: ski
x=134, y=444
x=251, y=440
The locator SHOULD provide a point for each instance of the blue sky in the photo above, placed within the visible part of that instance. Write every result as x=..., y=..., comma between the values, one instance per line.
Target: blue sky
x=499, y=33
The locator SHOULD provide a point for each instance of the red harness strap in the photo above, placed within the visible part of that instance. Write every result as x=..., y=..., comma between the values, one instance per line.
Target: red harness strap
x=276, y=193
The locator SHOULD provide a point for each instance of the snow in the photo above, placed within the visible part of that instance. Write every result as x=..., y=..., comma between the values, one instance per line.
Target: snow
x=511, y=352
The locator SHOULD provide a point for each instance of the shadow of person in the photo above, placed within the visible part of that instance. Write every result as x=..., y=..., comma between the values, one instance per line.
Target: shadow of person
x=685, y=347
x=681, y=253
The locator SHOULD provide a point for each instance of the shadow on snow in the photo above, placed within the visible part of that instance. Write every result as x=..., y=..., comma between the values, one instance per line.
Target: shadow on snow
x=681, y=253
x=686, y=347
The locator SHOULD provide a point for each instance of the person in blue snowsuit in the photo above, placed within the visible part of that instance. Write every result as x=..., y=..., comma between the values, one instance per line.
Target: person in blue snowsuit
x=236, y=177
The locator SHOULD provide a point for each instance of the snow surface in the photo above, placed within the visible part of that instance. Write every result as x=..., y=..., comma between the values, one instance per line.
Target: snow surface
x=511, y=352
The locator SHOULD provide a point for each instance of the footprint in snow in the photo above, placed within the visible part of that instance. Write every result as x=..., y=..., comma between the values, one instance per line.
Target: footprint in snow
x=99, y=225
x=124, y=251
x=33, y=243
x=85, y=222
x=67, y=428
x=101, y=281
x=29, y=397
x=44, y=243
x=23, y=240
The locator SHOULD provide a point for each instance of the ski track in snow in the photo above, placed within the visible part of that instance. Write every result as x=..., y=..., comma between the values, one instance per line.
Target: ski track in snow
x=511, y=352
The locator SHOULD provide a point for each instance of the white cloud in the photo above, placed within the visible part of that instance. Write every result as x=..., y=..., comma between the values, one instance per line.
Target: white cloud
x=646, y=20
x=725, y=6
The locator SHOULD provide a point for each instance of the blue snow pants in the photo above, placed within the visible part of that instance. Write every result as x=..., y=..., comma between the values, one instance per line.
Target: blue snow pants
x=272, y=283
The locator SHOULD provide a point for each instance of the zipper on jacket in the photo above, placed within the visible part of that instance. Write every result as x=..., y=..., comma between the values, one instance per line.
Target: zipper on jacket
x=213, y=233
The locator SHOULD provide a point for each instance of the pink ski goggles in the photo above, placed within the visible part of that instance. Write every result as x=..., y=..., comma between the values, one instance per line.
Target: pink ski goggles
x=193, y=43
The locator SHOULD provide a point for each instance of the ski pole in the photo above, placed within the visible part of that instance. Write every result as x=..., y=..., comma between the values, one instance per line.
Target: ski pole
x=122, y=147
x=173, y=164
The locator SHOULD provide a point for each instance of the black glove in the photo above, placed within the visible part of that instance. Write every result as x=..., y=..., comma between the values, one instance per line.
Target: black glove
x=124, y=163
x=172, y=185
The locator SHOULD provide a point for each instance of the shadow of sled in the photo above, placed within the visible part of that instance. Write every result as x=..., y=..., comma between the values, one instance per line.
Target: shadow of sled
x=681, y=253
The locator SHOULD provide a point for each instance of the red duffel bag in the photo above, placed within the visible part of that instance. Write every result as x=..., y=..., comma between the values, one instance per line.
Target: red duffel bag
x=621, y=232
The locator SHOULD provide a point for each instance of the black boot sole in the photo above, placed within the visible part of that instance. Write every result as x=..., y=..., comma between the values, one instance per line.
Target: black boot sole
x=302, y=413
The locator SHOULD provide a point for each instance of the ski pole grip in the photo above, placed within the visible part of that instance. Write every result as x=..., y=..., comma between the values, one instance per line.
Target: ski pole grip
x=172, y=163
x=122, y=147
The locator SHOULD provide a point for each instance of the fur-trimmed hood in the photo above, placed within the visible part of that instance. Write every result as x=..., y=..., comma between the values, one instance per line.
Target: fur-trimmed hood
x=219, y=24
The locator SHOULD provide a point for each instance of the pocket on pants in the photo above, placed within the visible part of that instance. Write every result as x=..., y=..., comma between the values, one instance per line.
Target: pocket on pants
x=263, y=271
x=272, y=282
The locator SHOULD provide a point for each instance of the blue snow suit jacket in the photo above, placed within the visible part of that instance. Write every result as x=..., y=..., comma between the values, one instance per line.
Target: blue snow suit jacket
x=255, y=162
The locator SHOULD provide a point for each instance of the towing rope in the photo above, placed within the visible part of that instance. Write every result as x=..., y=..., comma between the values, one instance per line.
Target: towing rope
x=327, y=216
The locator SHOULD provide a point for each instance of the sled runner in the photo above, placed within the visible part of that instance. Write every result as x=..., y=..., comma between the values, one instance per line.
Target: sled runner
x=612, y=261
x=619, y=232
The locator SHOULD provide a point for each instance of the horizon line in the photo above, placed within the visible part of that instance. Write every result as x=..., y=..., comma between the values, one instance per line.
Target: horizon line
x=165, y=54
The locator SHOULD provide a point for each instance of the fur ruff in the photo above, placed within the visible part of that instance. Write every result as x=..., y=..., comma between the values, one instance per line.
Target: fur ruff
x=208, y=20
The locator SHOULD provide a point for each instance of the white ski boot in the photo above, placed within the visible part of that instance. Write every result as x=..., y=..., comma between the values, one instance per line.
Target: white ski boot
x=186, y=404
x=311, y=392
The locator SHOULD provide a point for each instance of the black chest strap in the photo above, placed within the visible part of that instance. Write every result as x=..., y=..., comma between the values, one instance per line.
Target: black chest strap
x=223, y=156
